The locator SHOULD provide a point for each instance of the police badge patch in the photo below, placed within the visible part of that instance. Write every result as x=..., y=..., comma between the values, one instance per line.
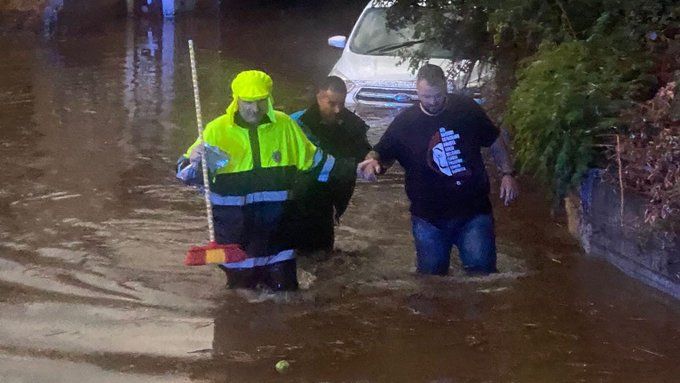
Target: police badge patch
x=276, y=156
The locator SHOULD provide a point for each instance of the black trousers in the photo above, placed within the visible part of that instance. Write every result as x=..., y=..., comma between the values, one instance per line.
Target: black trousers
x=280, y=276
x=315, y=227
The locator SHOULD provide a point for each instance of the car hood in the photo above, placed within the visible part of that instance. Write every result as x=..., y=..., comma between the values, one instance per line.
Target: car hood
x=356, y=67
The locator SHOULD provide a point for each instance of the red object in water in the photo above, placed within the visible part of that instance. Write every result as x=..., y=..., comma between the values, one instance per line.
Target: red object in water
x=214, y=253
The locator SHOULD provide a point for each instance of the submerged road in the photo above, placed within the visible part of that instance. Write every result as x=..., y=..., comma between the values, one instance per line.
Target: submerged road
x=93, y=230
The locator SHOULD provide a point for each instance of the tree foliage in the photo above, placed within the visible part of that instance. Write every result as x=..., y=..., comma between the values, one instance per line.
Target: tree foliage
x=562, y=102
x=506, y=31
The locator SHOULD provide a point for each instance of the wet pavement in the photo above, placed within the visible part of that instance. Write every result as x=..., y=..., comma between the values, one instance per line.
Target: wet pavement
x=93, y=230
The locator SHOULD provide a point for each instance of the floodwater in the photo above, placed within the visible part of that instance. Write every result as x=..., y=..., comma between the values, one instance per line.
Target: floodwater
x=93, y=231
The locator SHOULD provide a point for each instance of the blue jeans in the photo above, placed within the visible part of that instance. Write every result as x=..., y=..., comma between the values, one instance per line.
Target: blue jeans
x=474, y=237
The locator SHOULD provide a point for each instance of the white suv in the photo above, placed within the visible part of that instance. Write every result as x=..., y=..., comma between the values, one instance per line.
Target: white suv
x=377, y=79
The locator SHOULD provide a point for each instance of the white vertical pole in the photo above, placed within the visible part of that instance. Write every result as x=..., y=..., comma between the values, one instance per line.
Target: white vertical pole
x=199, y=124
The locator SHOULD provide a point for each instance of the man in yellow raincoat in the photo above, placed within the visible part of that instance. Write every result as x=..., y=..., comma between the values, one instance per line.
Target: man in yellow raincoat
x=259, y=157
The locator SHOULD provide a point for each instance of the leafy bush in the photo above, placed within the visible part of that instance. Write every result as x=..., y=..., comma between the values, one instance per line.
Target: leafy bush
x=566, y=97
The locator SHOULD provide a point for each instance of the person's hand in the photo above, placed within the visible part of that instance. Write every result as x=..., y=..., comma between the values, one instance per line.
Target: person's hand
x=196, y=154
x=336, y=217
x=368, y=169
x=509, y=189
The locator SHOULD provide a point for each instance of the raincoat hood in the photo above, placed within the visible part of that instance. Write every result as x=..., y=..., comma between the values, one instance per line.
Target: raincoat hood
x=251, y=85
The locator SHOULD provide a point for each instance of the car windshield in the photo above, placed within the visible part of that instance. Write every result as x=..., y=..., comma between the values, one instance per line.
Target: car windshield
x=374, y=37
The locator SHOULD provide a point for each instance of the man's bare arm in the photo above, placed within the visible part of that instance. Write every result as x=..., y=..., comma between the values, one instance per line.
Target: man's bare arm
x=501, y=155
x=500, y=152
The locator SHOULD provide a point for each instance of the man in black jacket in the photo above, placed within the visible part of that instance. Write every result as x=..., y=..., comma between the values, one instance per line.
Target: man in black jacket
x=341, y=133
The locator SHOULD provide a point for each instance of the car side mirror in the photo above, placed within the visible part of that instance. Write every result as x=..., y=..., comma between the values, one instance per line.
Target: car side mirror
x=337, y=42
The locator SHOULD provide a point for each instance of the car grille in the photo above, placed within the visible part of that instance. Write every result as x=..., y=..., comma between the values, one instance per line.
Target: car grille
x=386, y=95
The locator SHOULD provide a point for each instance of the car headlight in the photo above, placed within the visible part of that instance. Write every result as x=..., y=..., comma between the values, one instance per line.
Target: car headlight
x=348, y=83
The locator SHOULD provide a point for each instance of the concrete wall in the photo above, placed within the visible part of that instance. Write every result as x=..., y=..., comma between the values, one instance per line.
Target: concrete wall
x=650, y=254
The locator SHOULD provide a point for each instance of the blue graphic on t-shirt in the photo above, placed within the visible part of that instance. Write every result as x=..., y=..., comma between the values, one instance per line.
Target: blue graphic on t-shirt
x=446, y=154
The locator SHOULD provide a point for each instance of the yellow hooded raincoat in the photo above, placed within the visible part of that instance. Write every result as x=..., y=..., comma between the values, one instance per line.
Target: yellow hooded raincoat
x=250, y=194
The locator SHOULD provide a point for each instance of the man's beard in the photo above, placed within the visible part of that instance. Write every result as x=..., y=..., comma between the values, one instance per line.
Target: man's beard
x=329, y=119
x=430, y=109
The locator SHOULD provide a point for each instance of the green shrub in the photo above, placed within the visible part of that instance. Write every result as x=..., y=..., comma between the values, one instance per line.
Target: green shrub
x=567, y=96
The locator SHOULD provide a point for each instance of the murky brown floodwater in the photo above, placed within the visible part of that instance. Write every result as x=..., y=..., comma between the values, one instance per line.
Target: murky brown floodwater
x=93, y=230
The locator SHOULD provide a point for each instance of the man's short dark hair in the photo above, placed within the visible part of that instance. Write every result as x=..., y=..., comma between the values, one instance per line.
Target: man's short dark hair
x=334, y=84
x=433, y=74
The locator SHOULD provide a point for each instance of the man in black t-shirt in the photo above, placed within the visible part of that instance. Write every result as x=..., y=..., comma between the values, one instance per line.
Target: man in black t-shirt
x=438, y=142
